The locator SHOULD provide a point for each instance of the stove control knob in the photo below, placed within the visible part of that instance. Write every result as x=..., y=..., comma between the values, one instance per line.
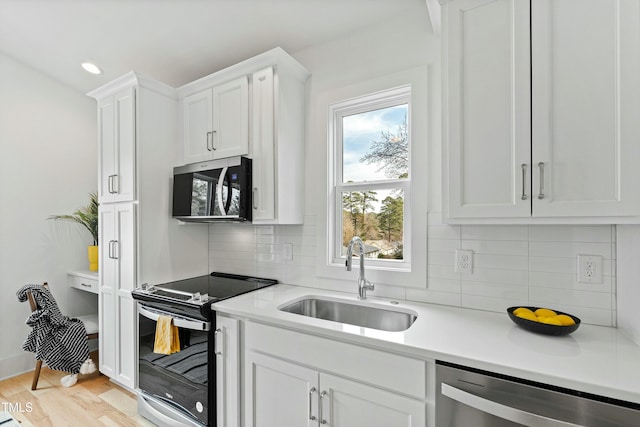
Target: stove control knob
x=146, y=287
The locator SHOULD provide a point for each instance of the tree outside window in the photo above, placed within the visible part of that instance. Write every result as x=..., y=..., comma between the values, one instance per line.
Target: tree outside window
x=372, y=147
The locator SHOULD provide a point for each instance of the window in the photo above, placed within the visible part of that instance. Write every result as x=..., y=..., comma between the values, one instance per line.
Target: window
x=371, y=178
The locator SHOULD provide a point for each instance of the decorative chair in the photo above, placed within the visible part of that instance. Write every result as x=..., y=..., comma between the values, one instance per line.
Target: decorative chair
x=90, y=325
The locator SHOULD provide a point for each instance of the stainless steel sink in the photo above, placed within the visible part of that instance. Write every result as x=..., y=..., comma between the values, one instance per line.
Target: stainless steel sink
x=352, y=314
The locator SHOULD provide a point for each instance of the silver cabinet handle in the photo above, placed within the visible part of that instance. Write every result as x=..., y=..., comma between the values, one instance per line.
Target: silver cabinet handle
x=218, y=348
x=502, y=411
x=213, y=141
x=111, y=184
x=313, y=390
x=208, y=135
x=524, y=181
x=322, y=420
x=541, y=194
x=113, y=246
x=255, y=198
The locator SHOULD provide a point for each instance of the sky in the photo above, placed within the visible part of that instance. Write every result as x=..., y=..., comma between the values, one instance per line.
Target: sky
x=359, y=131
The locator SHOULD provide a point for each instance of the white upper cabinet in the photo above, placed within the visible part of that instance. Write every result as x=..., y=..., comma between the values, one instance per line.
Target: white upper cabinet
x=116, y=161
x=256, y=109
x=263, y=153
x=216, y=122
x=278, y=143
x=540, y=108
x=586, y=107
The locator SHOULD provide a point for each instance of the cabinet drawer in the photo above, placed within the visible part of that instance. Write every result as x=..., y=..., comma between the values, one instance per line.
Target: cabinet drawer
x=83, y=283
x=392, y=371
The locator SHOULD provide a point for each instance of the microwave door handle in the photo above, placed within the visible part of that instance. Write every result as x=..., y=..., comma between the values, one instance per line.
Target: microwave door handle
x=502, y=411
x=219, y=191
x=227, y=204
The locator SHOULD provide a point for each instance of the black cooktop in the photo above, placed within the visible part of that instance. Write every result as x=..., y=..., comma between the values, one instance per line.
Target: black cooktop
x=198, y=292
x=217, y=286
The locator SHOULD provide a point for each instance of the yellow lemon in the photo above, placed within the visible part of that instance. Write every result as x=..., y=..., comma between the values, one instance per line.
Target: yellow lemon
x=528, y=314
x=522, y=310
x=550, y=321
x=565, y=320
x=545, y=312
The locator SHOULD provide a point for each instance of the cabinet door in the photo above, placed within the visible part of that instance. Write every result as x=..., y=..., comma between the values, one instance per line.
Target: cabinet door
x=230, y=132
x=107, y=146
x=117, y=157
x=263, y=152
x=197, y=116
x=227, y=350
x=586, y=106
x=487, y=120
x=117, y=274
x=126, y=332
x=346, y=403
x=278, y=393
x=107, y=292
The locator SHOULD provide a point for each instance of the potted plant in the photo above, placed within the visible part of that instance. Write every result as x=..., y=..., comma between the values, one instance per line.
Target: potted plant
x=88, y=217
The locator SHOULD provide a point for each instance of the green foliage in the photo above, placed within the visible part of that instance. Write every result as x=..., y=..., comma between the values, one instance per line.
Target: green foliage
x=390, y=218
x=86, y=216
x=360, y=220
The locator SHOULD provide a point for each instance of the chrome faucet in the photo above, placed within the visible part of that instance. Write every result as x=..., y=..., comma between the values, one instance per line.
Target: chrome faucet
x=363, y=284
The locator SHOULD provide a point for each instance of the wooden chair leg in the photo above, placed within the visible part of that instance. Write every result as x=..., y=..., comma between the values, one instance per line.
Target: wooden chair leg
x=36, y=374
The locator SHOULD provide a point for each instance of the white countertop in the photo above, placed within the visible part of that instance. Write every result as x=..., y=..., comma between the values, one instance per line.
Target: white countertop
x=594, y=359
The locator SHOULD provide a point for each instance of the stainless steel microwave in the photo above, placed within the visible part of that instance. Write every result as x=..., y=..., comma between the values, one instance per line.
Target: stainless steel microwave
x=217, y=190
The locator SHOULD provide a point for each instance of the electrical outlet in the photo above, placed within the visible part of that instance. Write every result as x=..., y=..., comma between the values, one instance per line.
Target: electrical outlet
x=464, y=261
x=589, y=269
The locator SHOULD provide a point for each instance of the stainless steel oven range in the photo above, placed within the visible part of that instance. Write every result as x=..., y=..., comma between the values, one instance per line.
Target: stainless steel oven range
x=180, y=389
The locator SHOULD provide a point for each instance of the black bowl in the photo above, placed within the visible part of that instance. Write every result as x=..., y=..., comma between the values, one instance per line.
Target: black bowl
x=543, y=328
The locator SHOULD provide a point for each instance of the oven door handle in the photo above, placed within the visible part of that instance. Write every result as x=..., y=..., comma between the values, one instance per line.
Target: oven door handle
x=502, y=411
x=194, y=325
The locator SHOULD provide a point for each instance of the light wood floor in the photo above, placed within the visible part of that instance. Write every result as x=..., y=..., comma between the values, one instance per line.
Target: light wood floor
x=92, y=401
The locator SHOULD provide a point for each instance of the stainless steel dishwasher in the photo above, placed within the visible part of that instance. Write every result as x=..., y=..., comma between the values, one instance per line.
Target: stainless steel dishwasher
x=473, y=398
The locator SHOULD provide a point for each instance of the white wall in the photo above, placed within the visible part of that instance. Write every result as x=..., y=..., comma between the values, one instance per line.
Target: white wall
x=47, y=167
x=527, y=265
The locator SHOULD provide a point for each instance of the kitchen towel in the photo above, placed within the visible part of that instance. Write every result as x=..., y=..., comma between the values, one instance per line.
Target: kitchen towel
x=167, y=340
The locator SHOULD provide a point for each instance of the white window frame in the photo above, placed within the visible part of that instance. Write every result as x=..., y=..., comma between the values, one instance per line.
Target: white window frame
x=374, y=101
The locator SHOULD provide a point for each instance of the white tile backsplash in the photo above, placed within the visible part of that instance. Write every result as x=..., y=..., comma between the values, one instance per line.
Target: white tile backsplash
x=513, y=264
x=525, y=265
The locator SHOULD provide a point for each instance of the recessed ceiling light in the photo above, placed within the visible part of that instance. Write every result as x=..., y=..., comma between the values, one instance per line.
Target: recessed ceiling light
x=91, y=67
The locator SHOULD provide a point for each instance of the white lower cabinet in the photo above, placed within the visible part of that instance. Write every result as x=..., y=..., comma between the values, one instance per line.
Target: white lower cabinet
x=227, y=353
x=287, y=394
x=279, y=393
x=116, y=308
x=325, y=389
x=349, y=403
